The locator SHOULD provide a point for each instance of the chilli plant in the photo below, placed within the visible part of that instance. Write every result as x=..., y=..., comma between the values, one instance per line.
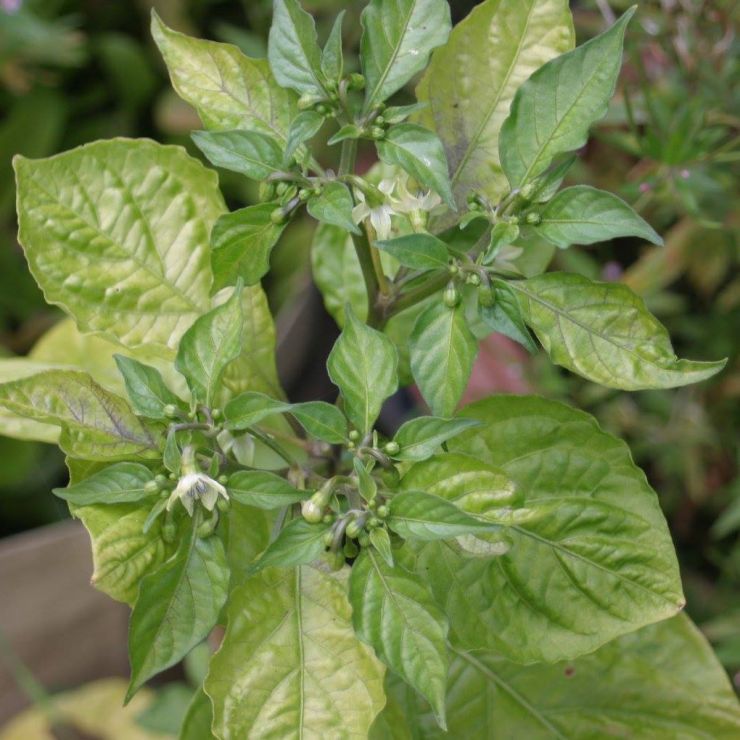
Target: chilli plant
x=502, y=570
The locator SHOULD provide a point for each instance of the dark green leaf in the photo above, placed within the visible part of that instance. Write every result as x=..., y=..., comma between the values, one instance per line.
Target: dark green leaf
x=443, y=350
x=249, y=153
x=178, y=606
x=396, y=615
x=303, y=128
x=334, y=206
x=198, y=718
x=505, y=316
x=208, y=347
x=332, y=59
x=250, y=408
x=147, y=391
x=420, y=438
x=118, y=484
x=297, y=544
x=398, y=37
x=363, y=364
x=366, y=484
x=241, y=244
x=321, y=420
x=419, y=152
x=417, y=251
x=263, y=490
x=584, y=215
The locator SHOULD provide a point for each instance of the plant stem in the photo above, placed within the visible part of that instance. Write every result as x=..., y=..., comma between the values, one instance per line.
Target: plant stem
x=273, y=445
x=348, y=158
x=363, y=249
x=417, y=295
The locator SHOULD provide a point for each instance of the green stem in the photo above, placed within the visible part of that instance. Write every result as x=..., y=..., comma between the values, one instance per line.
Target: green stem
x=348, y=158
x=406, y=300
x=273, y=445
x=364, y=255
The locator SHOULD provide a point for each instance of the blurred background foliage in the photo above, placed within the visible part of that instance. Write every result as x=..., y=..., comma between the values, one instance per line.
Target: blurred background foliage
x=76, y=70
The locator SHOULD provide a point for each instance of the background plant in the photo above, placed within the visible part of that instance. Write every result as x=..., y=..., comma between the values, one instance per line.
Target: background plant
x=461, y=282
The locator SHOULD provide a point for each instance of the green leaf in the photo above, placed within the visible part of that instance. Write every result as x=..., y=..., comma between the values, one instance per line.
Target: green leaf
x=249, y=153
x=250, y=408
x=332, y=58
x=662, y=681
x=443, y=350
x=123, y=553
x=585, y=516
x=366, y=484
x=321, y=420
x=208, y=347
x=241, y=244
x=228, y=89
x=416, y=515
x=502, y=235
x=505, y=316
x=246, y=535
x=604, y=332
x=419, y=152
x=381, y=541
x=293, y=49
x=263, y=490
x=584, y=215
x=334, y=206
x=146, y=389
x=254, y=369
x=398, y=37
x=337, y=272
x=198, y=719
x=348, y=131
x=123, y=483
x=116, y=233
x=178, y=605
x=304, y=127
x=290, y=666
x=471, y=82
x=297, y=544
x=420, y=438
x=417, y=251
x=396, y=615
x=363, y=365
x=95, y=423
x=554, y=109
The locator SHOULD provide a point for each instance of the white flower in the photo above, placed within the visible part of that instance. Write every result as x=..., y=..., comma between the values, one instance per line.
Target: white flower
x=379, y=215
x=194, y=487
x=406, y=202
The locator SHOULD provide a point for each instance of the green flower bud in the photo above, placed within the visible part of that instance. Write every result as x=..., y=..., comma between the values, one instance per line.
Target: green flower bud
x=390, y=477
x=392, y=448
x=335, y=560
x=351, y=550
x=527, y=191
x=216, y=414
x=223, y=479
x=278, y=216
x=170, y=411
x=382, y=511
x=486, y=296
x=304, y=194
x=328, y=518
x=151, y=486
x=377, y=133
x=308, y=100
x=172, y=476
x=453, y=268
x=161, y=480
x=533, y=218
x=353, y=529
x=321, y=109
x=356, y=81
x=312, y=511
x=363, y=540
x=451, y=296
x=374, y=523
x=282, y=188
x=222, y=505
x=354, y=436
x=266, y=191
x=327, y=539
x=473, y=279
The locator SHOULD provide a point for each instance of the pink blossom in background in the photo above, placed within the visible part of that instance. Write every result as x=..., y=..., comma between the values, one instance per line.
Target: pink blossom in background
x=11, y=6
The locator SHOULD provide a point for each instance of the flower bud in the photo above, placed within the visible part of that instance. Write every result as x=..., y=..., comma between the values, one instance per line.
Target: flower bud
x=170, y=411
x=312, y=512
x=278, y=216
x=451, y=296
x=351, y=550
x=335, y=560
x=527, y=191
x=363, y=540
x=382, y=511
x=392, y=448
x=308, y=100
x=377, y=133
x=353, y=529
x=356, y=81
x=151, y=486
x=486, y=296
x=473, y=279
x=533, y=218
x=354, y=436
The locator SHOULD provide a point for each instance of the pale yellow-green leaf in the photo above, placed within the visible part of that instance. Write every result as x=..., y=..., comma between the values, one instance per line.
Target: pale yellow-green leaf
x=117, y=233
x=290, y=665
x=471, y=82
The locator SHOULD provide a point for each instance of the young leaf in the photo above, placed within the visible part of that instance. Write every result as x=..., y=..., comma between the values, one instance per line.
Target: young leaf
x=396, y=615
x=417, y=251
x=502, y=235
x=125, y=256
x=505, y=316
x=604, y=332
x=381, y=541
x=321, y=420
x=366, y=484
x=212, y=342
x=605, y=562
x=398, y=37
x=297, y=544
x=416, y=515
x=249, y=153
x=348, y=131
x=554, y=109
x=289, y=665
x=263, y=490
x=250, y=408
x=227, y=88
x=75, y=402
x=178, y=605
x=241, y=244
x=146, y=388
x=664, y=677
x=304, y=127
x=334, y=206
x=293, y=49
x=471, y=82
x=332, y=58
x=443, y=350
x=122, y=551
x=584, y=215
x=419, y=152
x=420, y=438
x=363, y=365
x=122, y=483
